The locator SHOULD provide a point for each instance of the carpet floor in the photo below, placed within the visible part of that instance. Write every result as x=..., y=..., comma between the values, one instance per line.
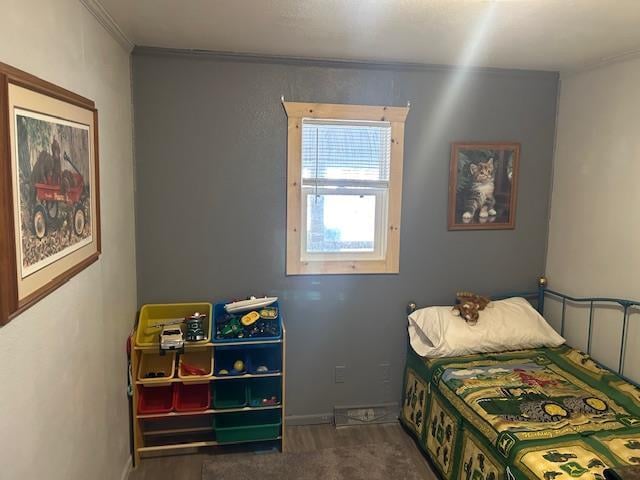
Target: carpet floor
x=378, y=461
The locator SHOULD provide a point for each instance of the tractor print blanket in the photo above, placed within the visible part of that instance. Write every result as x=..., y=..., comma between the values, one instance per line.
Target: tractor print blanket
x=550, y=414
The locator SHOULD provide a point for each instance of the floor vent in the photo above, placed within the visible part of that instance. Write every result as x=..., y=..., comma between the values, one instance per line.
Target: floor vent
x=365, y=414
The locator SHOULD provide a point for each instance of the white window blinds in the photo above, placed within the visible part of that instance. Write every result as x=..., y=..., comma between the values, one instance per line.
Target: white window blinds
x=346, y=153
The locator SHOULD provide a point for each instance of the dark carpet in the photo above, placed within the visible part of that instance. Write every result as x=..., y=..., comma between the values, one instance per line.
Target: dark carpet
x=382, y=461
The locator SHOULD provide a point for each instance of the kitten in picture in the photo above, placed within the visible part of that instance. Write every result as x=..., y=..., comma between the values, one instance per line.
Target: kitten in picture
x=480, y=195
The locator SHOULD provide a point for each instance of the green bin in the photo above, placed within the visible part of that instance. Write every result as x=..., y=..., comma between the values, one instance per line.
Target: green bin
x=264, y=388
x=229, y=394
x=247, y=427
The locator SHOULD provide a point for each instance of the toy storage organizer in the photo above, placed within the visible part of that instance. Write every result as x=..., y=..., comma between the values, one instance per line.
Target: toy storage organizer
x=196, y=397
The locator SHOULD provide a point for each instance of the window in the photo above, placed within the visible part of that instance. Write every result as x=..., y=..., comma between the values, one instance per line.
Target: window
x=344, y=188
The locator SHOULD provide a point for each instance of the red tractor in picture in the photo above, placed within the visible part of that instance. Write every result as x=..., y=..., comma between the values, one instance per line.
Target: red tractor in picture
x=66, y=188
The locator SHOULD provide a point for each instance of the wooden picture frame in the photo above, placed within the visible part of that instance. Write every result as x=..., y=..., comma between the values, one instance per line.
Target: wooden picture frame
x=49, y=188
x=483, y=185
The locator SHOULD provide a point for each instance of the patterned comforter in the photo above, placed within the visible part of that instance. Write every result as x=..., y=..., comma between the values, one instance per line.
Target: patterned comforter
x=551, y=414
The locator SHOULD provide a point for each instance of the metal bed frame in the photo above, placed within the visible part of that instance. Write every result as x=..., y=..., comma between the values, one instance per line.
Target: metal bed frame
x=543, y=292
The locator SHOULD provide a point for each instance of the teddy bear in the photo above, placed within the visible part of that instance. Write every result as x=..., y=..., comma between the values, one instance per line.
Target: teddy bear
x=469, y=306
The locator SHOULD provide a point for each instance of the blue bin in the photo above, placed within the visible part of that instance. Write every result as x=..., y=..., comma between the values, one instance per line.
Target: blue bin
x=219, y=315
x=269, y=355
x=225, y=357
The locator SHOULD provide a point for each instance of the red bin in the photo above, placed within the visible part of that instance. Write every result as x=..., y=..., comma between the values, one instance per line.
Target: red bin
x=192, y=397
x=153, y=400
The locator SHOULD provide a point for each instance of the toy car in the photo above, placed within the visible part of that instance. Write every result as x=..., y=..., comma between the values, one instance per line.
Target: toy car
x=171, y=338
x=231, y=328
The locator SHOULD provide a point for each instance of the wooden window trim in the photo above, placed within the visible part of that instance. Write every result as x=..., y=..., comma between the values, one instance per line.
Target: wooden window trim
x=296, y=111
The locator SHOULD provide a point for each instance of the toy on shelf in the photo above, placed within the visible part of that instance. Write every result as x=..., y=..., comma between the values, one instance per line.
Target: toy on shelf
x=268, y=313
x=270, y=401
x=251, y=325
x=187, y=369
x=263, y=328
x=164, y=323
x=252, y=303
x=250, y=318
x=238, y=366
x=171, y=338
x=231, y=328
x=195, y=330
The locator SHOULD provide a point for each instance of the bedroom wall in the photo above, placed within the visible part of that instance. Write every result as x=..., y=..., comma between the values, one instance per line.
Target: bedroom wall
x=63, y=404
x=210, y=202
x=593, y=236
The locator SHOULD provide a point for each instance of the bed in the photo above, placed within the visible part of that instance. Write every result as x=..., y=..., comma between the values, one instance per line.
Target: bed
x=542, y=413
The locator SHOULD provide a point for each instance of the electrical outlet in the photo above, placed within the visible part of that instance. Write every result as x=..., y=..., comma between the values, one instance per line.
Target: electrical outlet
x=340, y=374
x=385, y=372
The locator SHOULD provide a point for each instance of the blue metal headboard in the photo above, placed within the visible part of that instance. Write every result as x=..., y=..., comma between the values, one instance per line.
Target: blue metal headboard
x=543, y=291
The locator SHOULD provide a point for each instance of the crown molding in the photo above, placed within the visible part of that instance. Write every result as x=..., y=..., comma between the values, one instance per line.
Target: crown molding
x=600, y=63
x=108, y=22
x=143, y=50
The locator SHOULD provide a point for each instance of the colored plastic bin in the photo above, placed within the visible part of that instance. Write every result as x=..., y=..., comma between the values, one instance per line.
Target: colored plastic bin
x=152, y=318
x=269, y=356
x=153, y=362
x=219, y=313
x=192, y=397
x=225, y=357
x=261, y=388
x=153, y=400
x=201, y=359
x=230, y=394
x=250, y=426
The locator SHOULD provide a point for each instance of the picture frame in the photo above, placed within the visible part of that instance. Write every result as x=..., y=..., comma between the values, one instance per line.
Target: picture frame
x=483, y=185
x=49, y=188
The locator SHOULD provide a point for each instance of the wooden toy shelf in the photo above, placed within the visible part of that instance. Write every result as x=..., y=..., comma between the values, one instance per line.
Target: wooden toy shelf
x=167, y=429
x=213, y=379
x=208, y=411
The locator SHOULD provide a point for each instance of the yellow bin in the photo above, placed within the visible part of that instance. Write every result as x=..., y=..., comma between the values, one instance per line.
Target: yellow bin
x=153, y=318
x=202, y=359
x=163, y=365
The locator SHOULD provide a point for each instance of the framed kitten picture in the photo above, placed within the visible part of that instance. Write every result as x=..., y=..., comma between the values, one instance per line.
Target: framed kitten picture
x=483, y=185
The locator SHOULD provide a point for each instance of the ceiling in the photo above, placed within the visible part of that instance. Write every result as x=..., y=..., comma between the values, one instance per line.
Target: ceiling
x=561, y=35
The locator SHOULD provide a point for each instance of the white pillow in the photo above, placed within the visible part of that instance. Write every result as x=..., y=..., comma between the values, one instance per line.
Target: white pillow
x=511, y=324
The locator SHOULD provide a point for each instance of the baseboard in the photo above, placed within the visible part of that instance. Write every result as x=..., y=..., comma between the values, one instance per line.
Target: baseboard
x=323, y=418
x=127, y=469
x=318, y=419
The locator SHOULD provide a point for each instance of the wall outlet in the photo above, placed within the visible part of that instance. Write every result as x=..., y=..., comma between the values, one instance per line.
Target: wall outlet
x=385, y=372
x=340, y=373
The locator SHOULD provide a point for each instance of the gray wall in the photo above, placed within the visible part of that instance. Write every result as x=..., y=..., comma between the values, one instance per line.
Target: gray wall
x=211, y=168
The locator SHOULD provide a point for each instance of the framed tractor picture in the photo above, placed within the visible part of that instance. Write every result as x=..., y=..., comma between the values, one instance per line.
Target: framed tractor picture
x=50, y=195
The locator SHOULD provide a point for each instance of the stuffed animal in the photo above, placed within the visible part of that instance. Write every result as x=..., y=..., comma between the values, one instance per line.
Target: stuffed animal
x=469, y=306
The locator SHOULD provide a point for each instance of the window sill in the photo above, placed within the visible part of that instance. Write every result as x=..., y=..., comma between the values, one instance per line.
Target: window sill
x=359, y=267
